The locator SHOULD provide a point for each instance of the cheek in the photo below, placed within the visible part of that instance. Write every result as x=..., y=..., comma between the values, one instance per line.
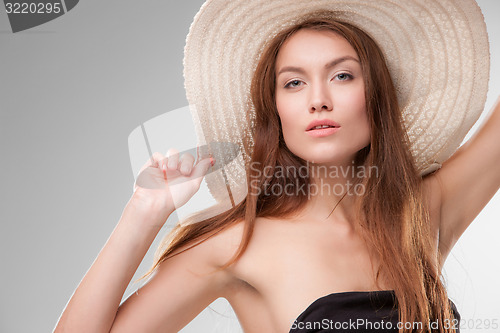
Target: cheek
x=364, y=125
x=351, y=97
x=358, y=116
x=286, y=112
x=355, y=101
x=361, y=118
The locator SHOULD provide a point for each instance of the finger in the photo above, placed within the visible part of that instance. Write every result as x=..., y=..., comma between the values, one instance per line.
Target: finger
x=163, y=165
x=173, y=158
x=186, y=164
x=151, y=162
x=157, y=159
x=201, y=168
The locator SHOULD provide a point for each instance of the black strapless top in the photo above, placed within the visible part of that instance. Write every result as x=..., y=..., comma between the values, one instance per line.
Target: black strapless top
x=357, y=311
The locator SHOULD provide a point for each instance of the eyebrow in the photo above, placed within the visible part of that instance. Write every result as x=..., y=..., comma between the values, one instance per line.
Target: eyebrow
x=331, y=64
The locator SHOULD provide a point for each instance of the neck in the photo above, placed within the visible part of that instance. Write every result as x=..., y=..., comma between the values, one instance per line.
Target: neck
x=334, y=190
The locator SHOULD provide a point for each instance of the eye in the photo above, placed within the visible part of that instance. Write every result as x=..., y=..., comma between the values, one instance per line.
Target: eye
x=293, y=84
x=343, y=76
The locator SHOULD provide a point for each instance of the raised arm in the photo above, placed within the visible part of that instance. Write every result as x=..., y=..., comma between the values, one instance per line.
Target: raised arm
x=468, y=180
x=182, y=286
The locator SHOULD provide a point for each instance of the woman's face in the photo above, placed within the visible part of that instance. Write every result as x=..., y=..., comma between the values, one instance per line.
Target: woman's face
x=319, y=82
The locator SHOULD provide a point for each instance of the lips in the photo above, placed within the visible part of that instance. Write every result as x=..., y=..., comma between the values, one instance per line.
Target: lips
x=320, y=124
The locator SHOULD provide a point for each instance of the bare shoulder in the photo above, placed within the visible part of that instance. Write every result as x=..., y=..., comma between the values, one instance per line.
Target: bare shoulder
x=223, y=245
x=181, y=287
x=212, y=252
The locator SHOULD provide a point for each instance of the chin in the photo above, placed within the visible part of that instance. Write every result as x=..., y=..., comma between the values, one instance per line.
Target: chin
x=334, y=153
x=327, y=157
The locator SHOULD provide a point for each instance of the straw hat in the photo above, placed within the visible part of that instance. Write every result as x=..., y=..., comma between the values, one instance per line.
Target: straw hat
x=437, y=52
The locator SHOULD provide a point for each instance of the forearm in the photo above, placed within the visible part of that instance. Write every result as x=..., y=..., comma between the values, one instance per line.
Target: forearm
x=94, y=304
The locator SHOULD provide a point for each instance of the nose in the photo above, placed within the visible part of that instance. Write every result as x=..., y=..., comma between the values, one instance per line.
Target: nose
x=321, y=99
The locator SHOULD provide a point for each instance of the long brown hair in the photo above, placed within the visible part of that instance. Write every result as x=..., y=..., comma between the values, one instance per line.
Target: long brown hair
x=391, y=212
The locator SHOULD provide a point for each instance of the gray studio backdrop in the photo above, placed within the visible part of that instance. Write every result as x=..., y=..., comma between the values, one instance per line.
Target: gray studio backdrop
x=71, y=93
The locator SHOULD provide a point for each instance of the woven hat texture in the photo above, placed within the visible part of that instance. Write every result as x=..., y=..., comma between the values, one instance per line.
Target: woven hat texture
x=437, y=52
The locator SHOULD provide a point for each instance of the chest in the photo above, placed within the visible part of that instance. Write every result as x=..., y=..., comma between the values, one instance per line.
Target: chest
x=285, y=269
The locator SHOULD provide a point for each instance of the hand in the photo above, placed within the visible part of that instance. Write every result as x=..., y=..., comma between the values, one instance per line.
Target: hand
x=167, y=183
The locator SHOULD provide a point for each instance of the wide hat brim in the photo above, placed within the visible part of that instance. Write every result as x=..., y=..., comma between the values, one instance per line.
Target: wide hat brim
x=437, y=52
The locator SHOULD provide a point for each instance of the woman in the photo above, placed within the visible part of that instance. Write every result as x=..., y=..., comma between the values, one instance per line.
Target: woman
x=324, y=99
